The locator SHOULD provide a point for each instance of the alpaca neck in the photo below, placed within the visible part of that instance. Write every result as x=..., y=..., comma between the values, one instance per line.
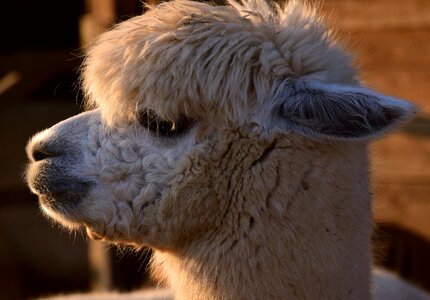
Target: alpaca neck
x=309, y=238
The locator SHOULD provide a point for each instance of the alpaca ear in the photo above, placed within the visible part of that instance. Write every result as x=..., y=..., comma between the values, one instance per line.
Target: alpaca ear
x=339, y=111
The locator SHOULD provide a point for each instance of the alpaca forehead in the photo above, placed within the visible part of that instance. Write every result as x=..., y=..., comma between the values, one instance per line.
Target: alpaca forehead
x=184, y=57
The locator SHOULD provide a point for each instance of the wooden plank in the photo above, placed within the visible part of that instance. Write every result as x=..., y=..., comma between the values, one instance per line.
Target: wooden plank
x=406, y=206
x=376, y=14
x=401, y=158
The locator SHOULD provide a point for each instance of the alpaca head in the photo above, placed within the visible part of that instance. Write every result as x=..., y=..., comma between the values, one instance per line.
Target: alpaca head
x=190, y=106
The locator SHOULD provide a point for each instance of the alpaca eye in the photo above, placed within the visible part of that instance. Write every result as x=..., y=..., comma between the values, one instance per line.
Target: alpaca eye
x=151, y=121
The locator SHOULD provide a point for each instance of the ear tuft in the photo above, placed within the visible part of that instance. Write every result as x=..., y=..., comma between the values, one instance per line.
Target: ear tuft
x=339, y=111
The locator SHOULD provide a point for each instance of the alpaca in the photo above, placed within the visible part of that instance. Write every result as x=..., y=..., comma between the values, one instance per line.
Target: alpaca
x=232, y=141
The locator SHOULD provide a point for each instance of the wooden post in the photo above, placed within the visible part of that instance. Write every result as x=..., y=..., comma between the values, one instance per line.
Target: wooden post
x=99, y=16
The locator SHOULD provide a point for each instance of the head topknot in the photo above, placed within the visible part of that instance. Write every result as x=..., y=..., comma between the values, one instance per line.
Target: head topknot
x=196, y=59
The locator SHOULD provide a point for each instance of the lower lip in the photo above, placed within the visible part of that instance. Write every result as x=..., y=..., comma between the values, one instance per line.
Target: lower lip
x=60, y=200
x=61, y=215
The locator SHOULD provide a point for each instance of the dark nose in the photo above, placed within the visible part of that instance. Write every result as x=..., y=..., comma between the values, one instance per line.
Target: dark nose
x=40, y=152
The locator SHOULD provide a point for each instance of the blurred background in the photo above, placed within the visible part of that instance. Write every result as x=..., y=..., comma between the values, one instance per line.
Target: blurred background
x=40, y=56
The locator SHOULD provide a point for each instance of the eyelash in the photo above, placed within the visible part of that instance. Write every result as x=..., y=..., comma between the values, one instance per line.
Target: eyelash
x=160, y=127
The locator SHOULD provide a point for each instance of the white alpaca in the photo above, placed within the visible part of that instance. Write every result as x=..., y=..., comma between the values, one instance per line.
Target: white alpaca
x=232, y=141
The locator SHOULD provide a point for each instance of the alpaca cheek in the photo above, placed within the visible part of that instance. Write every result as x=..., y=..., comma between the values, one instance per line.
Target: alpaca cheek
x=218, y=201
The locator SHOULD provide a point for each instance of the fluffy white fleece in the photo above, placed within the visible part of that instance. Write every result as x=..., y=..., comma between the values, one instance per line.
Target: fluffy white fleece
x=195, y=58
x=232, y=140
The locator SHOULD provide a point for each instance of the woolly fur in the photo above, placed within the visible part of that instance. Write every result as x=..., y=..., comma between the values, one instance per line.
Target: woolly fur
x=265, y=194
x=193, y=58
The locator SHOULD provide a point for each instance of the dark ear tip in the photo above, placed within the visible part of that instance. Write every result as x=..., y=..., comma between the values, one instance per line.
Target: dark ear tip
x=410, y=110
x=341, y=111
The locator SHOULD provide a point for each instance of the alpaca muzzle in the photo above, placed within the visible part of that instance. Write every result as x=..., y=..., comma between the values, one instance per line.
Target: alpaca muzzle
x=51, y=173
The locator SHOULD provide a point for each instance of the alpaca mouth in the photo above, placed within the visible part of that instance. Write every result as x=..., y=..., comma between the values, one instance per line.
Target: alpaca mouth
x=61, y=200
x=56, y=189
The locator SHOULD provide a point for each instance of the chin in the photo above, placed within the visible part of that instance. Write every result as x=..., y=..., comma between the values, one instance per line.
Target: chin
x=53, y=211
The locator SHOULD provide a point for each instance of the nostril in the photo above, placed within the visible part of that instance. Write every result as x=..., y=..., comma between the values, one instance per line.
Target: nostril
x=39, y=155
